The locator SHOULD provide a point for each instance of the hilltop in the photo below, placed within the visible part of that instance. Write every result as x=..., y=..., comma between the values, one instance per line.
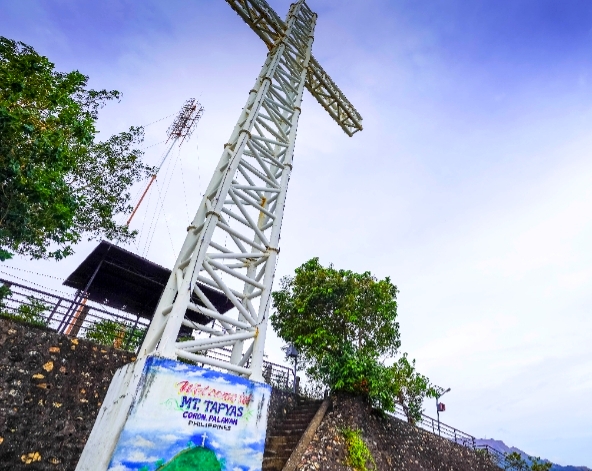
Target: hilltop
x=502, y=447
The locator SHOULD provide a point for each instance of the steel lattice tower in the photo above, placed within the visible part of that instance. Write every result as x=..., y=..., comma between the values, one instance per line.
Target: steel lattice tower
x=232, y=243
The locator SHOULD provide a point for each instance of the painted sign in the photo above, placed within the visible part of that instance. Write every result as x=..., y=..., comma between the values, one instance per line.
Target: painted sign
x=188, y=418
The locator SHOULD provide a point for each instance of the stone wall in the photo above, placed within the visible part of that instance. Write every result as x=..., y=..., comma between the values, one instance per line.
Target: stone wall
x=51, y=388
x=394, y=444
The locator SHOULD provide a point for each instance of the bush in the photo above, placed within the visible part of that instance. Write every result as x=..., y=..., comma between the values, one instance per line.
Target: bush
x=28, y=313
x=116, y=334
x=358, y=373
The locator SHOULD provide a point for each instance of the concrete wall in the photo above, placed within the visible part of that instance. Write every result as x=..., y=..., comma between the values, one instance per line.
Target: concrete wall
x=51, y=388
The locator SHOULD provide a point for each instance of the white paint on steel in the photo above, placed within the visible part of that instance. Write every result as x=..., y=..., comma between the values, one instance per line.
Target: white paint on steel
x=232, y=243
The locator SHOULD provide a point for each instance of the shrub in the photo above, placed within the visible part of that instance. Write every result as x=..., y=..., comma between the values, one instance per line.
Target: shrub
x=28, y=313
x=358, y=373
x=116, y=334
x=358, y=455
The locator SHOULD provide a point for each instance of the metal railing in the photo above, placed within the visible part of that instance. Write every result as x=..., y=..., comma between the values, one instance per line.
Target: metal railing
x=74, y=316
x=431, y=425
x=495, y=456
x=279, y=376
x=77, y=317
x=457, y=436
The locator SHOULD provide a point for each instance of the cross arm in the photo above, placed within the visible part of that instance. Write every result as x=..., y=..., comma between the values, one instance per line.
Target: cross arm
x=261, y=18
x=332, y=99
x=269, y=27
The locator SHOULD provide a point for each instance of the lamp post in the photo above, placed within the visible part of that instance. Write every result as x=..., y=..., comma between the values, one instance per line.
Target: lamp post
x=438, y=396
x=292, y=352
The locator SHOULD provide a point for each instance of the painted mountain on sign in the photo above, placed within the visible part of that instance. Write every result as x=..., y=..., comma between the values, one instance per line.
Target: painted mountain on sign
x=193, y=458
x=503, y=448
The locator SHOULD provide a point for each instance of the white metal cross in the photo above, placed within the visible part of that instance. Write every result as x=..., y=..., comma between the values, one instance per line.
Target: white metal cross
x=233, y=242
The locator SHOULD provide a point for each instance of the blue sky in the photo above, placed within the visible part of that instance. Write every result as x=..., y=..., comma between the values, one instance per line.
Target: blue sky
x=469, y=186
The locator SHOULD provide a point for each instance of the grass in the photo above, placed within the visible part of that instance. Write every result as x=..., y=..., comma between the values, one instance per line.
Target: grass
x=358, y=456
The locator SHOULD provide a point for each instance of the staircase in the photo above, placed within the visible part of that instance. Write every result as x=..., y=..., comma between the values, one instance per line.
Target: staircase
x=284, y=436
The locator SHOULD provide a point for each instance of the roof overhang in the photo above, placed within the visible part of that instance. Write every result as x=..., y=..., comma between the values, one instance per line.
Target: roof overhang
x=120, y=279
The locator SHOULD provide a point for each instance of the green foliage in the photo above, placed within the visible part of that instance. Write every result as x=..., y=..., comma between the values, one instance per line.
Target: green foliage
x=412, y=388
x=536, y=464
x=515, y=462
x=58, y=183
x=359, y=373
x=193, y=458
x=29, y=313
x=4, y=293
x=115, y=334
x=358, y=456
x=355, y=309
x=343, y=324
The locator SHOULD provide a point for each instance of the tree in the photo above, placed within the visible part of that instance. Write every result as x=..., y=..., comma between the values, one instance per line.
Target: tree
x=56, y=183
x=412, y=389
x=358, y=373
x=322, y=310
x=342, y=323
x=515, y=462
x=536, y=464
x=28, y=312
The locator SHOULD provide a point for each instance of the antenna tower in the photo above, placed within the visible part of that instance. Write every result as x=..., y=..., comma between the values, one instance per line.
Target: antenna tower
x=186, y=120
x=181, y=129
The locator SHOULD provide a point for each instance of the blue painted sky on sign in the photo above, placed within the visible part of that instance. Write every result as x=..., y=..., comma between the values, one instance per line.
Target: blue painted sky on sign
x=469, y=186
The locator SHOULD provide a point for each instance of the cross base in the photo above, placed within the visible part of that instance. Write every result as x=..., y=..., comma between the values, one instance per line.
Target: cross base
x=163, y=413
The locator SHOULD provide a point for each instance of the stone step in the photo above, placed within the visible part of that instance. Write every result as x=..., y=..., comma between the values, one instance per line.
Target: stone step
x=295, y=417
x=273, y=464
x=281, y=440
x=281, y=452
x=285, y=435
x=295, y=424
x=294, y=430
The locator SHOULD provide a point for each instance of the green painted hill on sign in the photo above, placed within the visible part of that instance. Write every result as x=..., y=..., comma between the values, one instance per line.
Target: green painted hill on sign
x=192, y=459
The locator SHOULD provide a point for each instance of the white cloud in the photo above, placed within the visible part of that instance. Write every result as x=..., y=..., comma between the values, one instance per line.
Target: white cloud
x=251, y=440
x=221, y=380
x=169, y=437
x=195, y=373
x=214, y=444
x=138, y=456
x=140, y=442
